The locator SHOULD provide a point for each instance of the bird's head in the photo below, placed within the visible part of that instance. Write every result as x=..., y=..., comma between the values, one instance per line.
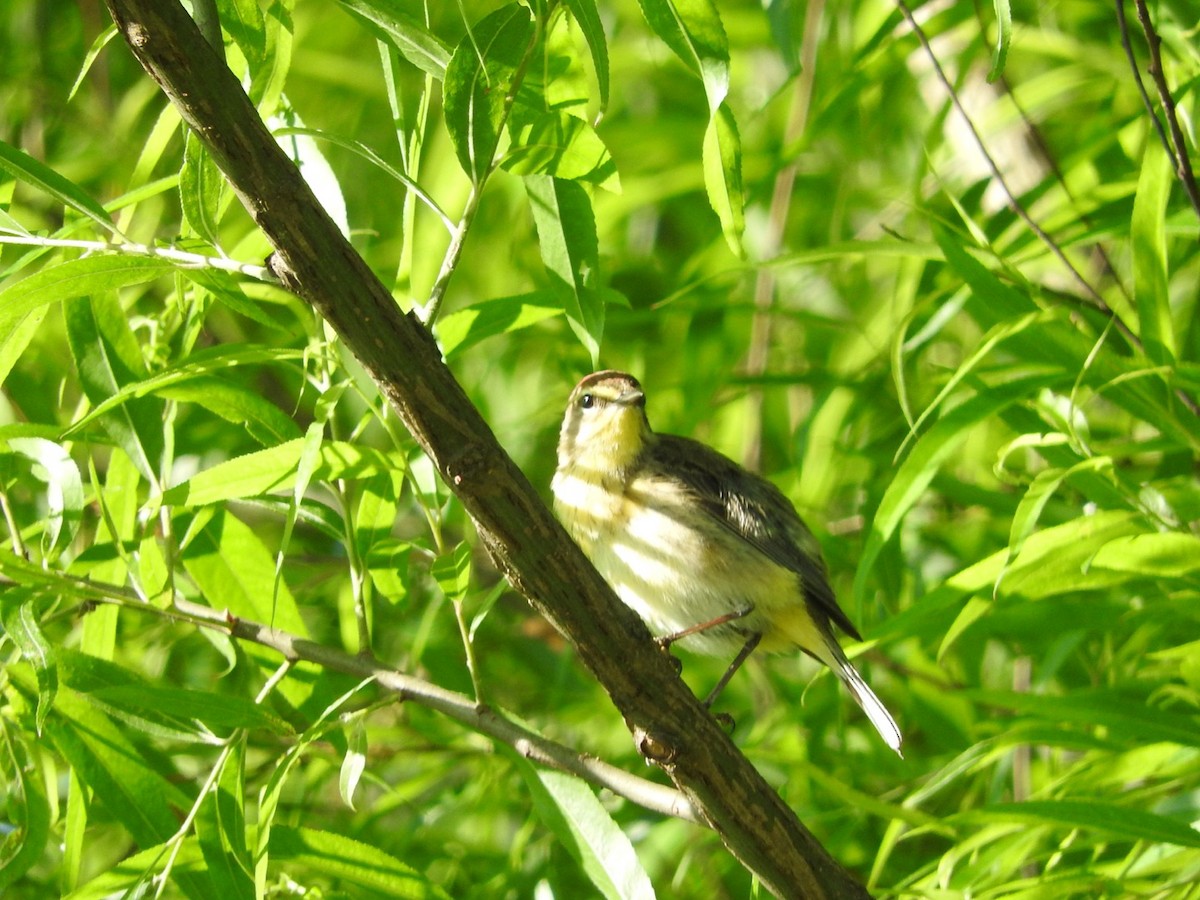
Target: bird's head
x=605, y=427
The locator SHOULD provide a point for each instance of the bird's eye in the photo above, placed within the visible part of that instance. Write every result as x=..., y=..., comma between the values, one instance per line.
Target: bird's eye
x=587, y=401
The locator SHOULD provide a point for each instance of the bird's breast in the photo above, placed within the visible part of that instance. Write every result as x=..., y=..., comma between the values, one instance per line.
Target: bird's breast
x=667, y=560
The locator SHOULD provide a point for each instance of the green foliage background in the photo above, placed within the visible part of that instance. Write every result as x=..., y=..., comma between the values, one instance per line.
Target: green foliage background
x=776, y=218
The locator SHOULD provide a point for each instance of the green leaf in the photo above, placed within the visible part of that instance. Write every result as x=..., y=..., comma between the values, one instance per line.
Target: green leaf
x=15, y=340
x=201, y=185
x=274, y=470
x=74, y=278
x=108, y=357
x=351, y=861
x=1003, y=38
x=354, y=763
x=64, y=491
x=479, y=79
x=128, y=876
x=376, y=511
x=243, y=20
x=723, y=176
x=235, y=572
x=452, y=571
x=1125, y=823
x=413, y=40
x=585, y=828
x=1034, y=501
x=466, y=327
x=27, y=829
x=193, y=381
x=928, y=455
x=557, y=143
x=19, y=614
x=1126, y=715
x=1148, y=236
x=216, y=711
x=693, y=30
x=587, y=16
x=25, y=168
x=566, y=227
x=221, y=829
x=263, y=420
x=138, y=796
x=1157, y=556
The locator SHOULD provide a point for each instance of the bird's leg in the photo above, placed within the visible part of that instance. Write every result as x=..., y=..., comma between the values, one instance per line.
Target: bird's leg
x=667, y=640
x=742, y=656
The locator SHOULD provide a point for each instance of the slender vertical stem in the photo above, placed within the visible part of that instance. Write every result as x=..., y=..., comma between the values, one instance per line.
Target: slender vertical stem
x=759, y=353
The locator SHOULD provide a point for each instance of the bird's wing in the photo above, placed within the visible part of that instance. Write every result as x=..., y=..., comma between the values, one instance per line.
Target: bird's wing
x=757, y=512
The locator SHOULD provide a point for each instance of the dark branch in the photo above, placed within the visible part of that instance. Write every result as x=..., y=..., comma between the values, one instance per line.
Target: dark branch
x=315, y=261
x=1182, y=162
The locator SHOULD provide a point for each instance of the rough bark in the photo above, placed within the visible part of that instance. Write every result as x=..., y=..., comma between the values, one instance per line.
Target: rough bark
x=315, y=262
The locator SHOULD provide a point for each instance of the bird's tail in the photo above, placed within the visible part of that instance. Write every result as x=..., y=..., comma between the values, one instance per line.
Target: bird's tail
x=863, y=695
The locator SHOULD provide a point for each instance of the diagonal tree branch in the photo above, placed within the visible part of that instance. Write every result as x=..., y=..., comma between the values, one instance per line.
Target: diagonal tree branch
x=314, y=260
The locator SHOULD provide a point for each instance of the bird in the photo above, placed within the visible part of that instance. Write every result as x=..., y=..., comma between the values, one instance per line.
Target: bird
x=708, y=554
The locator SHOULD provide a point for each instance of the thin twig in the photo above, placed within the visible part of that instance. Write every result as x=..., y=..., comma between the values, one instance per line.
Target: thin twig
x=1183, y=163
x=429, y=312
x=462, y=709
x=1020, y=210
x=758, y=355
x=1123, y=24
x=184, y=258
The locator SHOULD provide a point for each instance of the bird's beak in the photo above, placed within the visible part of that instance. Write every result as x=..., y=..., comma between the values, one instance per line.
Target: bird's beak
x=631, y=397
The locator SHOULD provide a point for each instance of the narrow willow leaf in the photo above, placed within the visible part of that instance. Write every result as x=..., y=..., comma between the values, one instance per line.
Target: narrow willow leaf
x=376, y=511
x=927, y=457
x=229, y=399
x=1034, y=501
x=93, y=53
x=19, y=614
x=221, y=829
x=1148, y=236
x=243, y=20
x=1003, y=38
x=411, y=38
x=352, y=862
x=64, y=491
x=136, y=795
x=15, y=340
x=217, y=712
x=465, y=327
x=25, y=168
x=1156, y=556
x=27, y=829
x=200, y=187
x=587, y=16
x=354, y=763
x=1126, y=715
x=108, y=357
x=128, y=876
x=1122, y=822
x=566, y=227
x=693, y=30
x=585, y=828
x=274, y=470
x=479, y=79
x=722, y=157
x=452, y=571
x=554, y=142
x=234, y=571
x=306, y=153
x=262, y=419
x=74, y=278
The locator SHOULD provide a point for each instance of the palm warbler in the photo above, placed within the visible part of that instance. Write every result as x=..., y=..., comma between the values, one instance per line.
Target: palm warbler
x=705, y=552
